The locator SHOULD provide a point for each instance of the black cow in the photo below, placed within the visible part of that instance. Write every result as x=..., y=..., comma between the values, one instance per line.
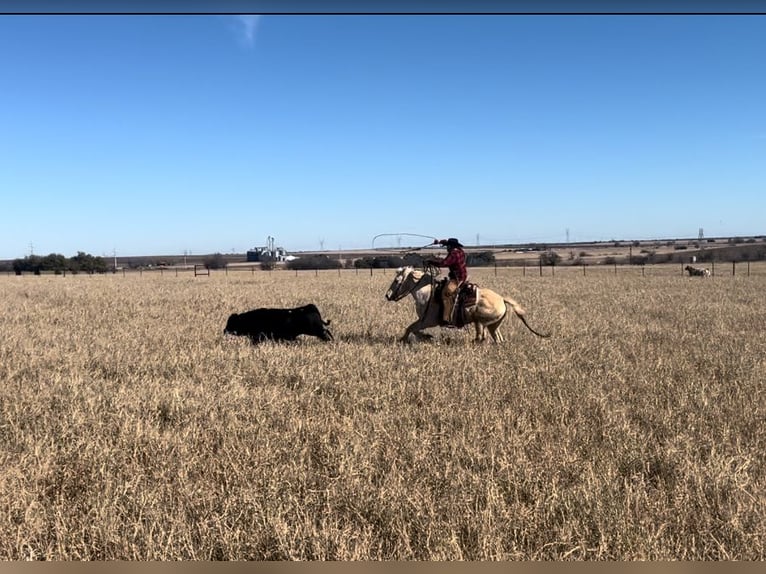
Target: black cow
x=279, y=324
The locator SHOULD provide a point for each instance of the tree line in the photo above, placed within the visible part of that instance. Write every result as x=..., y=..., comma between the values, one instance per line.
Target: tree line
x=59, y=264
x=388, y=261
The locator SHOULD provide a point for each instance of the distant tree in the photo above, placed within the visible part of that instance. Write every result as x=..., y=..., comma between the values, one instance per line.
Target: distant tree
x=480, y=259
x=19, y=266
x=30, y=263
x=214, y=261
x=388, y=261
x=550, y=258
x=268, y=262
x=414, y=259
x=319, y=261
x=87, y=263
x=55, y=262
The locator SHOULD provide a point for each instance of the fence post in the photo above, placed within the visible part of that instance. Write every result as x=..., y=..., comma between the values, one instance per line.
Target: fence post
x=583, y=269
x=748, y=269
x=316, y=272
x=540, y=262
x=712, y=267
x=733, y=268
x=495, y=268
x=615, y=268
x=370, y=271
x=524, y=269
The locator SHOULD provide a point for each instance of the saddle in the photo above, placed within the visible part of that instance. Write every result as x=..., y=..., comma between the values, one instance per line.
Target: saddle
x=467, y=296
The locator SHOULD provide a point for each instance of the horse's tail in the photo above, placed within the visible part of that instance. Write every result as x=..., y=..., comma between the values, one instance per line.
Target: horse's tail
x=521, y=314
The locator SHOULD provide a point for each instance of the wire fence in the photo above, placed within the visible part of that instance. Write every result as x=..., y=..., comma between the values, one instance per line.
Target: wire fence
x=716, y=269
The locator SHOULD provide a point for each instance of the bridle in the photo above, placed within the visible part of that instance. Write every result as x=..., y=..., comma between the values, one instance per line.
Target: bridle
x=426, y=278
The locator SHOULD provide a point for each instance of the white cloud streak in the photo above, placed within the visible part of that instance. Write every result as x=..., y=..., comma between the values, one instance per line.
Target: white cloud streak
x=248, y=28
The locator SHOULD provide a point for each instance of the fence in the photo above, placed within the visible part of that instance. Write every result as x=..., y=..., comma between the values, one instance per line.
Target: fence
x=716, y=268
x=721, y=268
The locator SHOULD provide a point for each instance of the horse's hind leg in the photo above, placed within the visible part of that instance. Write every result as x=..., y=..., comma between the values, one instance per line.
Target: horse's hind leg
x=480, y=332
x=494, y=331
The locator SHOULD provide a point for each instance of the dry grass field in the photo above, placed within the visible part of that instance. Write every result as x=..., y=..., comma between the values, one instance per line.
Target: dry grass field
x=132, y=429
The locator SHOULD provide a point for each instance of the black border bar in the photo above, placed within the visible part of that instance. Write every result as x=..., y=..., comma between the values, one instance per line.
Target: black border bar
x=372, y=7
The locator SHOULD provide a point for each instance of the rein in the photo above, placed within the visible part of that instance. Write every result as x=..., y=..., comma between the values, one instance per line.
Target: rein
x=430, y=271
x=419, y=283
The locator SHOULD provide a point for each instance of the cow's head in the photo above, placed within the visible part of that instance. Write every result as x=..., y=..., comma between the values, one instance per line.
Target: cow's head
x=233, y=325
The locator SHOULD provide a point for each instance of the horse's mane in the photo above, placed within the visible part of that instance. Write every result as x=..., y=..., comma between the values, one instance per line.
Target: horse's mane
x=418, y=274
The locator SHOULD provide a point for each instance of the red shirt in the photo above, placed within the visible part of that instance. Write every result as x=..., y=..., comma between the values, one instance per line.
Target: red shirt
x=455, y=260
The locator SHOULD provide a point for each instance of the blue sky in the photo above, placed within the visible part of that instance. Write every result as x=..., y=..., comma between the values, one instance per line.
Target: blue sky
x=164, y=134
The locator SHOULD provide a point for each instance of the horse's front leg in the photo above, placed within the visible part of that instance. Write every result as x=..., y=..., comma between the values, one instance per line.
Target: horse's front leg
x=413, y=329
x=480, y=332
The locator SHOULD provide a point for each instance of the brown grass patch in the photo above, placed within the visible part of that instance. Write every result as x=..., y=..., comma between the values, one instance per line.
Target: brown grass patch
x=131, y=428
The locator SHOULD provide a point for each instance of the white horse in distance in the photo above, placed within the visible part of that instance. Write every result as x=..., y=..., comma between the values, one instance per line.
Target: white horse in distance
x=697, y=271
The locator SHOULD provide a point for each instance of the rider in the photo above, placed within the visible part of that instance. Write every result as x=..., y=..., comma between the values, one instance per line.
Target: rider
x=458, y=274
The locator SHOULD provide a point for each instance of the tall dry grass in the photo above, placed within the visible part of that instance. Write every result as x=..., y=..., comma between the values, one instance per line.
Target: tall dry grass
x=131, y=428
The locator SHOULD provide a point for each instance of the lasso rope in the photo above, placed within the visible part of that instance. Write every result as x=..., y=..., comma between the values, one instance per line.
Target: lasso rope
x=400, y=235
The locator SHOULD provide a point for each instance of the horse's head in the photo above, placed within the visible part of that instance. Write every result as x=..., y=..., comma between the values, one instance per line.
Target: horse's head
x=402, y=284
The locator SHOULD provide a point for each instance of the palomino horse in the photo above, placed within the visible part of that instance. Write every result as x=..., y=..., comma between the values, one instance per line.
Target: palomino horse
x=486, y=315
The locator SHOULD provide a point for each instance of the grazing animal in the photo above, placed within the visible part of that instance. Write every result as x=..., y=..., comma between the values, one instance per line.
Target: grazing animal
x=279, y=324
x=697, y=271
x=486, y=314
